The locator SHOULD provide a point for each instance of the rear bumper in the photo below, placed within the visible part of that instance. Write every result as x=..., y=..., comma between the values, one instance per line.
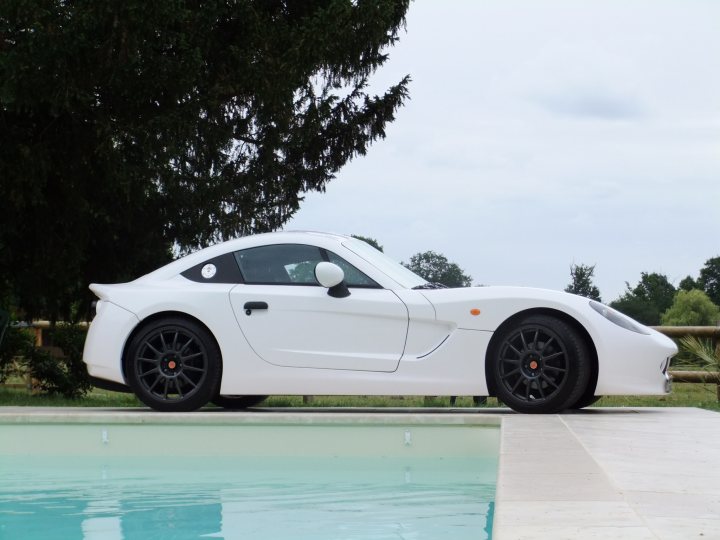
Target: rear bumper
x=106, y=340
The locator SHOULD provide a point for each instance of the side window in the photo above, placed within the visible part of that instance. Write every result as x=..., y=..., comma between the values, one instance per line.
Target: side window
x=294, y=264
x=353, y=276
x=222, y=269
x=280, y=264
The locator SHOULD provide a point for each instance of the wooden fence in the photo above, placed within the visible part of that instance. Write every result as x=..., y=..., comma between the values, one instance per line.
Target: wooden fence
x=711, y=332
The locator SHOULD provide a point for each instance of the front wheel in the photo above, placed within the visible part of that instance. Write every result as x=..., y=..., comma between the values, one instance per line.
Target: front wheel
x=173, y=365
x=539, y=365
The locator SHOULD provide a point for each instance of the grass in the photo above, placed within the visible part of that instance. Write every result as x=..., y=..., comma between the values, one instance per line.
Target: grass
x=19, y=397
x=703, y=396
x=683, y=395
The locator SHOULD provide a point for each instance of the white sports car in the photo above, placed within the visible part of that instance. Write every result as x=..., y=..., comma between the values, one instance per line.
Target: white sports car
x=308, y=313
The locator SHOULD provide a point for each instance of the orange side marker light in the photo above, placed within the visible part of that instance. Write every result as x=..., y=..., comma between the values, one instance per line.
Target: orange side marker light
x=474, y=312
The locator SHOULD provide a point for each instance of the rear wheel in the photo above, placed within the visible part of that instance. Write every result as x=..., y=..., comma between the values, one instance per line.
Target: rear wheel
x=238, y=402
x=173, y=364
x=539, y=365
x=585, y=401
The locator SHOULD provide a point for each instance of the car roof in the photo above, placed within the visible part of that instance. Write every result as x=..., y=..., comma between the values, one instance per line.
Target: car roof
x=291, y=237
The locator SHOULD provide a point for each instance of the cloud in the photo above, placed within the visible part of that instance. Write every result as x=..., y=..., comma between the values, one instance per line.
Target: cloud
x=592, y=104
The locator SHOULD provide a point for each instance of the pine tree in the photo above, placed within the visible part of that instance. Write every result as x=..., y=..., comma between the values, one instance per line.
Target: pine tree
x=582, y=284
x=130, y=130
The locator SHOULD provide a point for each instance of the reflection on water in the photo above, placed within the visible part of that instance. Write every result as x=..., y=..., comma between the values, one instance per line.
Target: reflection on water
x=179, y=498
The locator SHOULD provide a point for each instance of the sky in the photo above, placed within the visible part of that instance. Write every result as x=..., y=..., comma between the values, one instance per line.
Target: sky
x=539, y=134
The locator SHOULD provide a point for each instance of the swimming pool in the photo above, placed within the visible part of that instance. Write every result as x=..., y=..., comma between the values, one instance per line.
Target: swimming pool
x=178, y=481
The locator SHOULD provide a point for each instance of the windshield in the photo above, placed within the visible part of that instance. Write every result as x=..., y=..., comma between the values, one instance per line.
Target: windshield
x=385, y=264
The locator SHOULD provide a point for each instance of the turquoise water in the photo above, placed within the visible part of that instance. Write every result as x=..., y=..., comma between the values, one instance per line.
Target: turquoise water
x=158, y=482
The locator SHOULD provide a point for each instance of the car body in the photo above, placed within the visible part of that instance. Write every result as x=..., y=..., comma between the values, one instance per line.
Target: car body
x=250, y=317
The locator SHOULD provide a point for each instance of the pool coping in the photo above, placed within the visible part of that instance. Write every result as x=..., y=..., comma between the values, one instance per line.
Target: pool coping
x=256, y=416
x=627, y=473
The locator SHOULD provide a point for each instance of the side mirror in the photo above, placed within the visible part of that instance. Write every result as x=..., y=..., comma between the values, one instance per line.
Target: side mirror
x=332, y=277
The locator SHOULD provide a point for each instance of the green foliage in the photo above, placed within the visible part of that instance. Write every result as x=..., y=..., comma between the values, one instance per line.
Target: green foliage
x=436, y=268
x=702, y=350
x=4, y=321
x=131, y=128
x=66, y=376
x=651, y=297
x=18, y=342
x=692, y=308
x=709, y=279
x=75, y=381
x=374, y=243
x=688, y=284
x=581, y=282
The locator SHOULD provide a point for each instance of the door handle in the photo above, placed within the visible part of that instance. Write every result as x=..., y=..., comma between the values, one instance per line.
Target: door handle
x=249, y=306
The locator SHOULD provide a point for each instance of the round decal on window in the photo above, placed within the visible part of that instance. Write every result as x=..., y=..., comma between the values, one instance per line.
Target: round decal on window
x=208, y=271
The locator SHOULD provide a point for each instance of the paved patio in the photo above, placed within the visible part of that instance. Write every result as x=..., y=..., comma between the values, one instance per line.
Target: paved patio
x=615, y=473
x=650, y=473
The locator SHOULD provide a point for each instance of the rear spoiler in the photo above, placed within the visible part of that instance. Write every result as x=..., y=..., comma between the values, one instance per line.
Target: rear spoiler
x=101, y=291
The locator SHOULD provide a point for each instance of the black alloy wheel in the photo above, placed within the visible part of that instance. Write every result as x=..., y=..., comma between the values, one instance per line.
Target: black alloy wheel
x=173, y=365
x=238, y=402
x=540, y=365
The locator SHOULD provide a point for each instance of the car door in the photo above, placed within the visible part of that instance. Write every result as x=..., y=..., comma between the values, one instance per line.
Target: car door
x=290, y=320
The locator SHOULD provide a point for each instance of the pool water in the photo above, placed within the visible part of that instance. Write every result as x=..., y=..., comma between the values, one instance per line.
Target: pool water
x=235, y=482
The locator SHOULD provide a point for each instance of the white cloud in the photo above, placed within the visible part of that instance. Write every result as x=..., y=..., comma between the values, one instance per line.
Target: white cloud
x=592, y=103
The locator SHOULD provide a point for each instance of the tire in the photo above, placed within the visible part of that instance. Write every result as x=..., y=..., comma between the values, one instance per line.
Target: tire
x=585, y=401
x=540, y=364
x=173, y=365
x=238, y=402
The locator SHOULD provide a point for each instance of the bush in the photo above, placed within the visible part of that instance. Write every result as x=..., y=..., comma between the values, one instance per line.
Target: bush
x=66, y=375
x=17, y=343
x=691, y=308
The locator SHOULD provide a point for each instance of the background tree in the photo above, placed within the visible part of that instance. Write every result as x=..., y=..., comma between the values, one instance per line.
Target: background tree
x=692, y=308
x=688, y=284
x=436, y=268
x=374, y=243
x=709, y=279
x=581, y=282
x=651, y=297
x=131, y=129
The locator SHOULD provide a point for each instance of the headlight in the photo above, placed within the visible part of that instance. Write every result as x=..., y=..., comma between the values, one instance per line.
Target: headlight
x=618, y=318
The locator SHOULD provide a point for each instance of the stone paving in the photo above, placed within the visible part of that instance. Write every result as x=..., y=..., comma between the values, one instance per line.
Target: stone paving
x=649, y=473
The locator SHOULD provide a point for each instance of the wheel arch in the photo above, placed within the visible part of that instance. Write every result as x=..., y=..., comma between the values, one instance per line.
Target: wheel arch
x=155, y=317
x=568, y=319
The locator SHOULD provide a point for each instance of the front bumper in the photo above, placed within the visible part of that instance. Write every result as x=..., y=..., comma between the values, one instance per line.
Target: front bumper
x=635, y=364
